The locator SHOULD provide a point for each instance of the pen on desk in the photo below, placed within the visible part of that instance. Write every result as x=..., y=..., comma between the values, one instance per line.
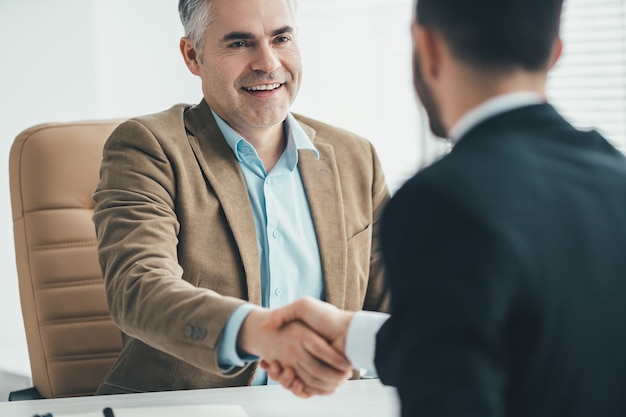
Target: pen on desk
x=108, y=412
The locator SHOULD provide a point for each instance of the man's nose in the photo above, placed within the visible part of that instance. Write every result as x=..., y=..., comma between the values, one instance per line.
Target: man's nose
x=265, y=59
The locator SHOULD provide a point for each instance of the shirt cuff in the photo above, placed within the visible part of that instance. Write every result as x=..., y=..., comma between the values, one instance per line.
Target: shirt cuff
x=361, y=338
x=227, y=355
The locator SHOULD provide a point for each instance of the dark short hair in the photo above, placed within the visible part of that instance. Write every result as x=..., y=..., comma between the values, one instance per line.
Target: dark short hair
x=495, y=34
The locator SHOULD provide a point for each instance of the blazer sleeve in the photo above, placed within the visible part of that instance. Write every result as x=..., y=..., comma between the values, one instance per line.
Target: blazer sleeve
x=137, y=228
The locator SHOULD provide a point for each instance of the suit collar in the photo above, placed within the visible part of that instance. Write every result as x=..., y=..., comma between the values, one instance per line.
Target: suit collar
x=320, y=177
x=224, y=177
x=492, y=107
x=529, y=119
x=321, y=185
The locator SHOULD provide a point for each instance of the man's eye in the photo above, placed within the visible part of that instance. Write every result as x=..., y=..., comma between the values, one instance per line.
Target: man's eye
x=282, y=39
x=238, y=44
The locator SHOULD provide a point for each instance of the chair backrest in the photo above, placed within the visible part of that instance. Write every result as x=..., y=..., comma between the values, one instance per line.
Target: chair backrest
x=53, y=171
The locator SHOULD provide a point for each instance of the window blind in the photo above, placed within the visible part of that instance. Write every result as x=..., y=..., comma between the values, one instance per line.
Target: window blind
x=588, y=84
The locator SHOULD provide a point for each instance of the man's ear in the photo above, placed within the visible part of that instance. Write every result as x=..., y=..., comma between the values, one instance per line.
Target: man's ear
x=556, y=51
x=190, y=55
x=426, y=45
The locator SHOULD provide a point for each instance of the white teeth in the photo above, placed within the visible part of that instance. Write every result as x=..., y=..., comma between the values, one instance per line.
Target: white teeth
x=264, y=87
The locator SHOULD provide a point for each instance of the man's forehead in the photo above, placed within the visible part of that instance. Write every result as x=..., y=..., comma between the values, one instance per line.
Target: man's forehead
x=254, y=17
x=246, y=12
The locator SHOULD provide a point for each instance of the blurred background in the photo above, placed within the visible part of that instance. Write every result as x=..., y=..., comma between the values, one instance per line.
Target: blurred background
x=68, y=60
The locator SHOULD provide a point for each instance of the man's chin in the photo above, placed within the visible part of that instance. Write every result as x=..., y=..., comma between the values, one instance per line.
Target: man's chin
x=267, y=121
x=256, y=115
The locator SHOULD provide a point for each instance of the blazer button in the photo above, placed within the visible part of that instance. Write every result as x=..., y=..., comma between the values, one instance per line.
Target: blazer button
x=189, y=331
x=199, y=334
x=195, y=333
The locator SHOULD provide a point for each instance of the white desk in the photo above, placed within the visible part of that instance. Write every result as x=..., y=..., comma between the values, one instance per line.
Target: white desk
x=362, y=398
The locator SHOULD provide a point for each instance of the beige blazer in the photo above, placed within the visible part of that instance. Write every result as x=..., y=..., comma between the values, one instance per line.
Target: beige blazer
x=177, y=242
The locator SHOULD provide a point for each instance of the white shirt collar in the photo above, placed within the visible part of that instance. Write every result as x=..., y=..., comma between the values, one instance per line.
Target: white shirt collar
x=492, y=107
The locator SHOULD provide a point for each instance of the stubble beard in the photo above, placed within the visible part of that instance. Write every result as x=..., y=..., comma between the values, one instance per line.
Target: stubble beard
x=427, y=99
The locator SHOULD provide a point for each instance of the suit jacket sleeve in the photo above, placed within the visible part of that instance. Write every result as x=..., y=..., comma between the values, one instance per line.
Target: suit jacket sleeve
x=137, y=230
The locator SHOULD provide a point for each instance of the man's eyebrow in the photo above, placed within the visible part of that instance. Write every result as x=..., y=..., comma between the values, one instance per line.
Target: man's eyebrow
x=236, y=35
x=284, y=29
x=233, y=36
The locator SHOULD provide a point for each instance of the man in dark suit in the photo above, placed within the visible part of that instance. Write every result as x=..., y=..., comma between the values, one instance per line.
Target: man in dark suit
x=505, y=259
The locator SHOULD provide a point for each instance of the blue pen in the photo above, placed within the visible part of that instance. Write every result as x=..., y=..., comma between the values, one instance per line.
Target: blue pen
x=108, y=412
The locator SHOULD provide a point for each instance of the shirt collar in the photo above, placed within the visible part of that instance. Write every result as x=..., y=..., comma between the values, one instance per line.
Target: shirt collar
x=297, y=140
x=492, y=107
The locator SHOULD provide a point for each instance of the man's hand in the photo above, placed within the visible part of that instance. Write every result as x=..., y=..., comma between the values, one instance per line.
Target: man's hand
x=325, y=319
x=319, y=366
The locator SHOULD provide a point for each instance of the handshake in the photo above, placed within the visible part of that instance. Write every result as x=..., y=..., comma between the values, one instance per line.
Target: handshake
x=301, y=345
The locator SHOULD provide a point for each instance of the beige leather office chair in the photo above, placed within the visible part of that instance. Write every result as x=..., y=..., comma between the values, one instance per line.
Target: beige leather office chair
x=72, y=342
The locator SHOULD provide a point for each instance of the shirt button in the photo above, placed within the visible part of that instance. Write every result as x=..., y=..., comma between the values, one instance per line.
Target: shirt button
x=268, y=181
x=277, y=291
x=276, y=234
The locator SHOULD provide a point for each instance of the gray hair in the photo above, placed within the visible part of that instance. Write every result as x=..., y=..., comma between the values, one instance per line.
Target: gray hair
x=197, y=15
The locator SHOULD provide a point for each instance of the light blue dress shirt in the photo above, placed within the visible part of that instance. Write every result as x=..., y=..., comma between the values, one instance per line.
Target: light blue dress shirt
x=288, y=251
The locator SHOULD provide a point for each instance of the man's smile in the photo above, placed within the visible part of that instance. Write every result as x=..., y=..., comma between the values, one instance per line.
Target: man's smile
x=263, y=87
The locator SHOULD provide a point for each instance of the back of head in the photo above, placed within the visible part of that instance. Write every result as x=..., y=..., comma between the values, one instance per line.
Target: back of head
x=496, y=34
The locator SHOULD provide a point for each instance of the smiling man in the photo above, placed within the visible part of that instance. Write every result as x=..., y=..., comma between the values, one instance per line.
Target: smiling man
x=209, y=215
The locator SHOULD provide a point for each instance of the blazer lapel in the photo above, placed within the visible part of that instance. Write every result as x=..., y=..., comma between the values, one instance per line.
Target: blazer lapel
x=321, y=185
x=223, y=174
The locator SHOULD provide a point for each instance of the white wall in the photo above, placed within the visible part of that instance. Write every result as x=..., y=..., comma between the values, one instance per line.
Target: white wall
x=67, y=60
x=44, y=49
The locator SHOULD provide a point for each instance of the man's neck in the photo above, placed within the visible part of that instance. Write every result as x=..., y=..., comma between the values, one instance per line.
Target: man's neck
x=269, y=143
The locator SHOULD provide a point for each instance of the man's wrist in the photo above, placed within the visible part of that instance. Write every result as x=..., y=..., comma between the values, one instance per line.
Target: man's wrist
x=345, y=319
x=228, y=357
x=250, y=332
x=360, y=340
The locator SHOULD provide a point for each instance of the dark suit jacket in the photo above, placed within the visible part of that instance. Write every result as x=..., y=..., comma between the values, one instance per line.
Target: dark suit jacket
x=507, y=267
x=178, y=247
